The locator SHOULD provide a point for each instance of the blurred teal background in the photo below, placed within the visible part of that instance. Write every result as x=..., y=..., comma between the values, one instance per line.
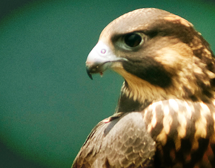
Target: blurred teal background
x=48, y=104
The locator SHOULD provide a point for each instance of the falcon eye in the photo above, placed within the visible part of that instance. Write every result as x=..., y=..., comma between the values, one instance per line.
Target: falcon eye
x=133, y=39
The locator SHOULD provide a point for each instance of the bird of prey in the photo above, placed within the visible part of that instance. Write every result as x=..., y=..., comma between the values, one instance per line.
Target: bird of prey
x=165, y=117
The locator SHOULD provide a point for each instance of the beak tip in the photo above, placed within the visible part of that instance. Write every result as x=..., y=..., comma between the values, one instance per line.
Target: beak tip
x=89, y=74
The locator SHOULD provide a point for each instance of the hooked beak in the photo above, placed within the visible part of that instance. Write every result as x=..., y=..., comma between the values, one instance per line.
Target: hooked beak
x=100, y=59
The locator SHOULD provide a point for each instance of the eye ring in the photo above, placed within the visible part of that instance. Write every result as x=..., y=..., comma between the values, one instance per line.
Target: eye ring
x=130, y=41
x=133, y=40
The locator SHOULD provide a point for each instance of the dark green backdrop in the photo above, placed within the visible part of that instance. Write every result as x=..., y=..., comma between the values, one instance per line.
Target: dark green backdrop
x=48, y=105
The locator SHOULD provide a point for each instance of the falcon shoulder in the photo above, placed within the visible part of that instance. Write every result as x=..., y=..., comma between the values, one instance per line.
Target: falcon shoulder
x=118, y=141
x=170, y=133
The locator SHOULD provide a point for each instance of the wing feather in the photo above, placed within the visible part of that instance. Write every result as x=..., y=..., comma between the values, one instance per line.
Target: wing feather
x=121, y=142
x=173, y=133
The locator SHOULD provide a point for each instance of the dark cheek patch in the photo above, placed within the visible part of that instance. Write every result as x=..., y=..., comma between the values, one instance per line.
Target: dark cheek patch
x=149, y=70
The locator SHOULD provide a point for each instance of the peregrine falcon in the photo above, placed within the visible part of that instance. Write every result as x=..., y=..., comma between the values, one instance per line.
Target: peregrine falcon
x=165, y=117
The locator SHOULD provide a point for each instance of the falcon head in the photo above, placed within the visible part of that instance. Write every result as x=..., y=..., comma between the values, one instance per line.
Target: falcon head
x=160, y=55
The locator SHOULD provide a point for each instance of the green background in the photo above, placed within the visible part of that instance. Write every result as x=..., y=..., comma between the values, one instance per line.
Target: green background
x=48, y=104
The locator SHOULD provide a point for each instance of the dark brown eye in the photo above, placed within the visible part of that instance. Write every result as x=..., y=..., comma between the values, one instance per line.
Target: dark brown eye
x=133, y=39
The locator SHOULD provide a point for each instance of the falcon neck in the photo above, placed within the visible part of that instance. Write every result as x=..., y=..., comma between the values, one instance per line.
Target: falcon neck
x=127, y=103
x=137, y=94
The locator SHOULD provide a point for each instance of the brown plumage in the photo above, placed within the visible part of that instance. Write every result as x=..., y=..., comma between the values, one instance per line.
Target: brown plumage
x=166, y=110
